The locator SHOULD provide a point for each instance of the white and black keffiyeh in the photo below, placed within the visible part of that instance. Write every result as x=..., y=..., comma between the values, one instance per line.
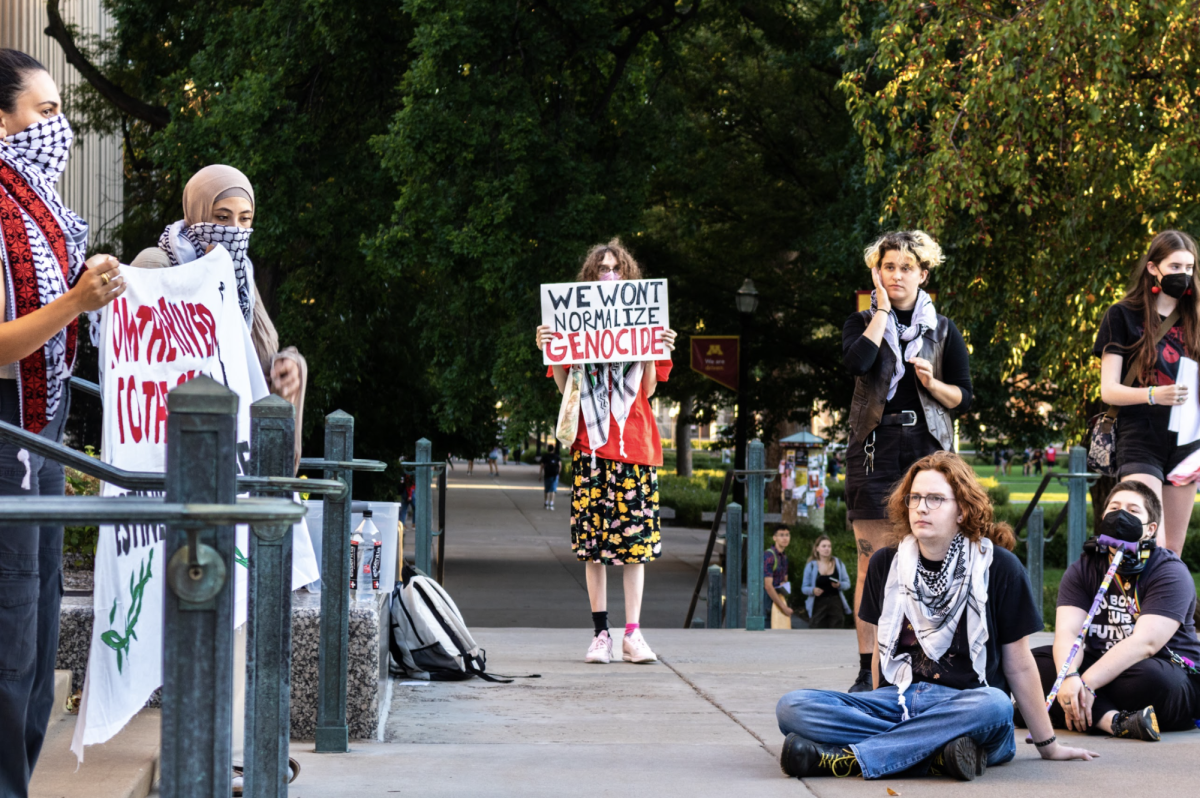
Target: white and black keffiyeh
x=924, y=318
x=39, y=155
x=608, y=390
x=184, y=244
x=934, y=604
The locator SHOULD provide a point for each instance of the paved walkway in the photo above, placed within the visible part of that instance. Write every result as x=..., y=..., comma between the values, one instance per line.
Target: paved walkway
x=700, y=723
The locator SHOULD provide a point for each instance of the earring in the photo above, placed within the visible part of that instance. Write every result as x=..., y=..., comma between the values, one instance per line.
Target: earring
x=1155, y=289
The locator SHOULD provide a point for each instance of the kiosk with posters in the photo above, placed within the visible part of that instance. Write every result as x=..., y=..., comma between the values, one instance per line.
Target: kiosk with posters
x=802, y=475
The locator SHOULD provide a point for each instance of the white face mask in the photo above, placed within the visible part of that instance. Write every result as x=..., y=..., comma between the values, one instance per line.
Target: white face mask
x=608, y=277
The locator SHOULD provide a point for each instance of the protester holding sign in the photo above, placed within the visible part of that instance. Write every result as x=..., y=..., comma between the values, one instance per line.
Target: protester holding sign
x=1139, y=364
x=912, y=376
x=218, y=208
x=51, y=285
x=607, y=422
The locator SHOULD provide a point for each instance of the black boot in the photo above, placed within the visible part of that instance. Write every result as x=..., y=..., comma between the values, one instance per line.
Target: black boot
x=802, y=758
x=961, y=758
x=1141, y=724
x=862, y=684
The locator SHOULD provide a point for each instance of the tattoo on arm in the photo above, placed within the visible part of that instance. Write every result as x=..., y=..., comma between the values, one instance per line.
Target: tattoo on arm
x=864, y=547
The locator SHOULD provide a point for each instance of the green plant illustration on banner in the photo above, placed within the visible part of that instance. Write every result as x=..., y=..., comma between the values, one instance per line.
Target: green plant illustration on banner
x=114, y=639
x=239, y=558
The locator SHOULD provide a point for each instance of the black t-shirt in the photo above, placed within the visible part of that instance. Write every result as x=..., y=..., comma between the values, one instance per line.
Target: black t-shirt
x=860, y=353
x=552, y=464
x=1120, y=331
x=1011, y=615
x=1164, y=588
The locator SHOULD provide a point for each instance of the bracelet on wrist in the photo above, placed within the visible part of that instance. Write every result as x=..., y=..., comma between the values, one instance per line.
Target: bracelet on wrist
x=1085, y=686
x=1045, y=743
x=1151, y=394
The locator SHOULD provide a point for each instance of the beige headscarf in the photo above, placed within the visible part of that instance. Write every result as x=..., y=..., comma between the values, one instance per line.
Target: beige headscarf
x=210, y=184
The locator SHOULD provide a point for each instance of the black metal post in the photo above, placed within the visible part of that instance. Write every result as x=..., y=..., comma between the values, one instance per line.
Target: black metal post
x=742, y=423
x=714, y=597
x=333, y=735
x=197, y=710
x=269, y=638
x=733, y=567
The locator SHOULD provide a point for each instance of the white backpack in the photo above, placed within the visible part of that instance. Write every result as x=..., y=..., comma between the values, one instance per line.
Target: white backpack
x=429, y=638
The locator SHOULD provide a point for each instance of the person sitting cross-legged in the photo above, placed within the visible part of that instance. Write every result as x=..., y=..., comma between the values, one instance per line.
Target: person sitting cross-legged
x=952, y=611
x=1136, y=674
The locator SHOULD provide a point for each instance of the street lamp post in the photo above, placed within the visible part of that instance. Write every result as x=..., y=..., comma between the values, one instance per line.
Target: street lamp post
x=747, y=303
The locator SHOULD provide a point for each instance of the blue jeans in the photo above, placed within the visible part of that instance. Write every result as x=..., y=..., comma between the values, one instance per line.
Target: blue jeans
x=30, y=595
x=870, y=724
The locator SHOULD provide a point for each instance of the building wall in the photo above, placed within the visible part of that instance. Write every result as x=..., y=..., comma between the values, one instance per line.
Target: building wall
x=93, y=183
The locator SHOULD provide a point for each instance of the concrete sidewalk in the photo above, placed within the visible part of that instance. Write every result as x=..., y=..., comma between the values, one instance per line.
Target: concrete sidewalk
x=700, y=723
x=509, y=560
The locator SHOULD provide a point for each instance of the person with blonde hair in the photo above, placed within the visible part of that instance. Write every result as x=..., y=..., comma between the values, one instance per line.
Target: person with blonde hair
x=825, y=582
x=614, y=461
x=912, y=376
x=953, y=611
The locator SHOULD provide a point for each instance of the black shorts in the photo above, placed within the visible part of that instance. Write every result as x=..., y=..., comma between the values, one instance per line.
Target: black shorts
x=896, y=448
x=1146, y=446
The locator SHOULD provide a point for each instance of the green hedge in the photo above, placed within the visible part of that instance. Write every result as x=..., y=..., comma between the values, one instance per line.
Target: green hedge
x=687, y=496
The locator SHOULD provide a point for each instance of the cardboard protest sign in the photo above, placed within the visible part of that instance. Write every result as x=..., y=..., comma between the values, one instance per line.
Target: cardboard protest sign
x=170, y=325
x=617, y=321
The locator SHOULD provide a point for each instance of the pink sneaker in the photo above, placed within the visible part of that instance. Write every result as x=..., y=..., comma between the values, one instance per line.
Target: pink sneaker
x=636, y=650
x=600, y=651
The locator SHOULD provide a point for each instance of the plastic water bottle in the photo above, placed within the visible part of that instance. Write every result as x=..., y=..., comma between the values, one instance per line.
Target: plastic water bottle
x=367, y=545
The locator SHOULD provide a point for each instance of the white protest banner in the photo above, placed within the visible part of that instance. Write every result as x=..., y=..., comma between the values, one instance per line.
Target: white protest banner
x=616, y=321
x=170, y=325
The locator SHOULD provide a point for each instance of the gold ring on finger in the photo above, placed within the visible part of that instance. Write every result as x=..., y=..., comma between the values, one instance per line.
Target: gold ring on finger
x=105, y=278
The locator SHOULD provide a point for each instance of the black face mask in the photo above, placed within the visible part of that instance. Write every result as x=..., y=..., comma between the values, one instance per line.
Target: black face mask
x=1175, y=285
x=1121, y=525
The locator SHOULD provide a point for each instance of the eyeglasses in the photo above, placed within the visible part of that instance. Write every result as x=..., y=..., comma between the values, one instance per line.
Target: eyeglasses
x=932, y=500
x=613, y=270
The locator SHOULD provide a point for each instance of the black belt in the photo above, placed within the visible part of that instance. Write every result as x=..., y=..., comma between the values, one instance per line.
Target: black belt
x=905, y=418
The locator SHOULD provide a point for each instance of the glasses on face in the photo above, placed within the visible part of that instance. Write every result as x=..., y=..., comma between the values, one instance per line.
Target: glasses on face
x=932, y=500
x=610, y=270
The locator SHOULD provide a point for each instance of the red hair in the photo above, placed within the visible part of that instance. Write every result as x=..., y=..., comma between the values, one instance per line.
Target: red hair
x=978, y=519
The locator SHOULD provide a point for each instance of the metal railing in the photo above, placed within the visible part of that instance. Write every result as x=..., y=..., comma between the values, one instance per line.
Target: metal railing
x=756, y=478
x=424, y=468
x=1078, y=478
x=201, y=511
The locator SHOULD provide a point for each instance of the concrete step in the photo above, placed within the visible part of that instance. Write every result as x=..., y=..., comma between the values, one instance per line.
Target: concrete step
x=124, y=767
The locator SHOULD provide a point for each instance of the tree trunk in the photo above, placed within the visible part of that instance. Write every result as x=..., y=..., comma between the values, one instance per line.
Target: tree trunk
x=683, y=438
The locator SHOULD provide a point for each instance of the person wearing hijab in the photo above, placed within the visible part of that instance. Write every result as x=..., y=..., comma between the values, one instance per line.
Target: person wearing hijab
x=47, y=284
x=218, y=208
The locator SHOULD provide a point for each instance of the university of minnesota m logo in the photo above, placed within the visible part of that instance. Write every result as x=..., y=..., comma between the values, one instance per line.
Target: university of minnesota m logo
x=714, y=349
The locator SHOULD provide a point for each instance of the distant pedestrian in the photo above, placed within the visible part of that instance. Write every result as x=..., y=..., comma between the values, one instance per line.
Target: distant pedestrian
x=825, y=582
x=493, y=460
x=1038, y=457
x=1009, y=455
x=614, y=467
x=998, y=462
x=1050, y=456
x=407, y=492
x=776, y=586
x=551, y=466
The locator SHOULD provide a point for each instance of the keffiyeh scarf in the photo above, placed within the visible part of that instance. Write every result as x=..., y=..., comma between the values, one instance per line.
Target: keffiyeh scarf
x=924, y=318
x=43, y=253
x=608, y=390
x=185, y=244
x=934, y=604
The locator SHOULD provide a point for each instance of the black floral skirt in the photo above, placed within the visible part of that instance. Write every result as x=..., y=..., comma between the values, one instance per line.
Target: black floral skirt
x=614, y=511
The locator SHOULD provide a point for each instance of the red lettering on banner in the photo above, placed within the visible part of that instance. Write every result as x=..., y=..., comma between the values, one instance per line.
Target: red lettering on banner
x=644, y=335
x=135, y=428
x=606, y=337
x=555, y=351
x=120, y=415
x=591, y=345
x=624, y=331
x=656, y=342
x=573, y=340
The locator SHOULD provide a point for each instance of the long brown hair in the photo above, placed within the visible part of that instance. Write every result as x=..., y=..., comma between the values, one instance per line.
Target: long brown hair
x=817, y=542
x=627, y=266
x=978, y=519
x=1140, y=298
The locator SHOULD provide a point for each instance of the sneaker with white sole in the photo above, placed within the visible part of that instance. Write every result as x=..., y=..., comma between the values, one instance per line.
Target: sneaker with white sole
x=635, y=649
x=600, y=651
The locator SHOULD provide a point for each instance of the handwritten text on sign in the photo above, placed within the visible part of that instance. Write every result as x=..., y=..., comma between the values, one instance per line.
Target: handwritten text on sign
x=604, y=322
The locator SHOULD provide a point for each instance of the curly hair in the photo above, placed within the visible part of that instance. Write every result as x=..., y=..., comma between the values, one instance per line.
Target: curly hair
x=978, y=518
x=924, y=250
x=590, y=272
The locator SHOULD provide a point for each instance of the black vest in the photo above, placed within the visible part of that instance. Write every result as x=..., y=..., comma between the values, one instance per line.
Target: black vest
x=870, y=390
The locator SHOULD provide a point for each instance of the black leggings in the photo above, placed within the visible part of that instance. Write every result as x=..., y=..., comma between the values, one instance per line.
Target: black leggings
x=1154, y=682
